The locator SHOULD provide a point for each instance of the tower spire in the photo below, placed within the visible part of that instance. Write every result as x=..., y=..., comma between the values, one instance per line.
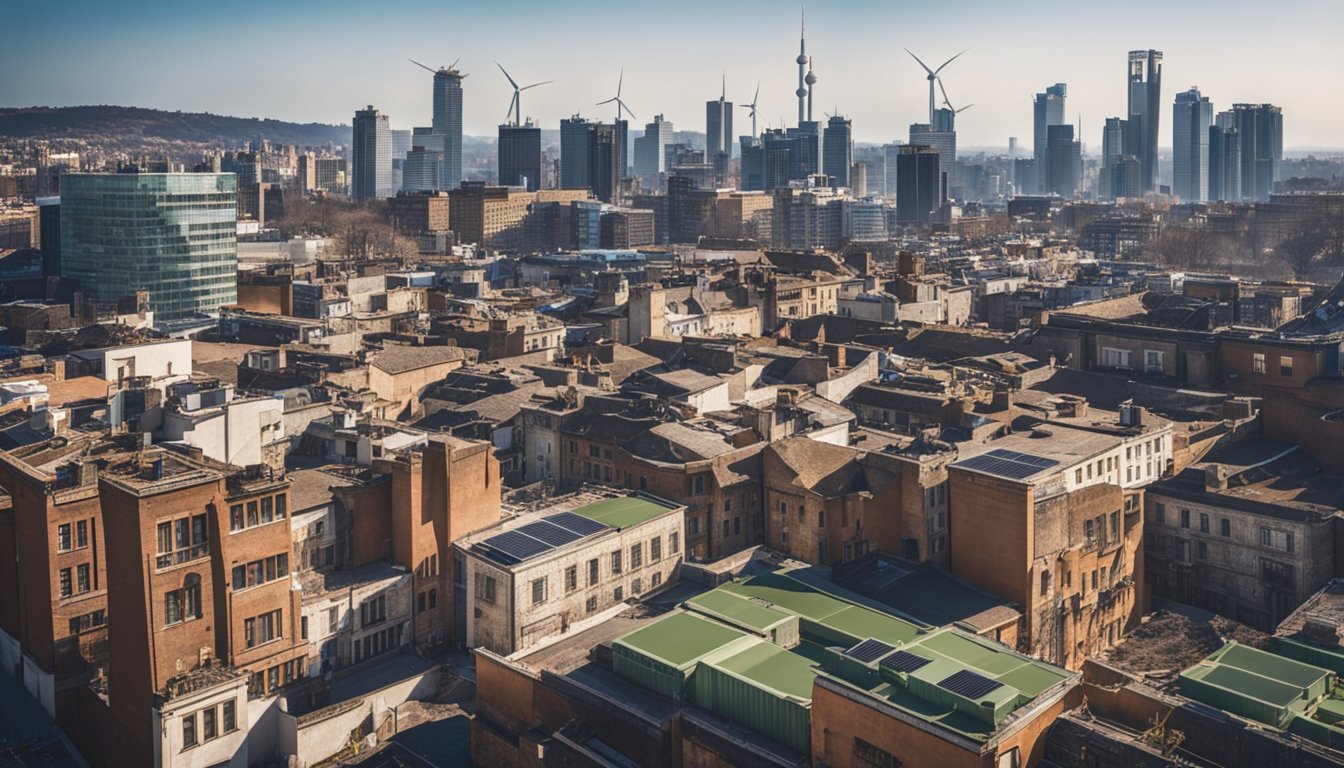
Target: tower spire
x=802, y=60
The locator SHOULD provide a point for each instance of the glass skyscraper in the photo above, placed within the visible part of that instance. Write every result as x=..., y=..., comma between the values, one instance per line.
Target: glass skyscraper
x=1191, y=118
x=172, y=234
x=1145, y=104
x=371, y=152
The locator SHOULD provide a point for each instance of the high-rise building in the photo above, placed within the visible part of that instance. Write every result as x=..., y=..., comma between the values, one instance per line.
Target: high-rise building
x=604, y=161
x=650, y=148
x=1190, y=122
x=919, y=184
x=520, y=156
x=1145, y=105
x=447, y=122
x=838, y=147
x=1047, y=110
x=719, y=136
x=371, y=156
x=1260, y=127
x=890, y=153
x=1112, y=151
x=752, y=166
x=943, y=142
x=171, y=234
x=574, y=138
x=858, y=179
x=1063, y=161
x=1225, y=158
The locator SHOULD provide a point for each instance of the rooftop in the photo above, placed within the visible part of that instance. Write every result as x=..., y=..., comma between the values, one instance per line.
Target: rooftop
x=542, y=533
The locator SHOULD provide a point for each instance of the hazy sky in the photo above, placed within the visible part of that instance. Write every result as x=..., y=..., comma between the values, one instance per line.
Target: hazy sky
x=317, y=60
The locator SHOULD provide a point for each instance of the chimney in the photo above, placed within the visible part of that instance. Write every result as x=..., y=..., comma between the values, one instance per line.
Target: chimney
x=1131, y=415
x=1002, y=399
x=58, y=369
x=1215, y=478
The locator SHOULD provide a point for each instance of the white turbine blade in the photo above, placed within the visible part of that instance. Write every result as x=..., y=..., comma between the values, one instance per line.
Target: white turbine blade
x=628, y=110
x=534, y=85
x=949, y=61
x=922, y=64
x=758, y=94
x=506, y=75
x=620, y=81
x=418, y=64
x=454, y=64
x=944, y=90
x=608, y=101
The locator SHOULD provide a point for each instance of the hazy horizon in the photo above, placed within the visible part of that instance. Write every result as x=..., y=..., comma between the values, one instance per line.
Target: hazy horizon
x=319, y=62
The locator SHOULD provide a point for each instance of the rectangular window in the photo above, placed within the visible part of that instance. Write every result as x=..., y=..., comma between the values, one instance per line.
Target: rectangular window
x=1160, y=512
x=281, y=506
x=485, y=588
x=1203, y=523
x=590, y=605
x=333, y=619
x=82, y=534
x=592, y=572
x=655, y=549
x=230, y=716
x=208, y=731
x=539, y=591
x=262, y=629
x=236, y=521
x=1258, y=362
x=63, y=540
x=189, y=730
x=67, y=588
x=571, y=578
x=1225, y=527
x=1185, y=518
x=1152, y=361
x=726, y=528
x=253, y=514
x=373, y=611
x=616, y=562
x=636, y=556
x=674, y=542
x=82, y=578
x=267, y=510
x=1203, y=551
x=1285, y=366
x=619, y=594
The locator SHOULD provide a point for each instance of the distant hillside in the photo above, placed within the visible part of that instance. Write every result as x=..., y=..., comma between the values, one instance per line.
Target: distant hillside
x=151, y=125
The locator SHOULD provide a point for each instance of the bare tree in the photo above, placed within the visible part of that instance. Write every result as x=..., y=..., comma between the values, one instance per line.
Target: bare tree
x=1300, y=249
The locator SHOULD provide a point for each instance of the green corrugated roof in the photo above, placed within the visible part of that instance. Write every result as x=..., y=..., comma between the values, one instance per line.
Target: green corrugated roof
x=1266, y=664
x=1248, y=684
x=680, y=638
x=623, y=512
x=738, y=609
x=773, y=667
x=854, y=620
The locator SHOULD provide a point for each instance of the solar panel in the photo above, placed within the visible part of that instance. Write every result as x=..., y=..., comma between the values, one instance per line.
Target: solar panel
x=552, y=534
x=1025, y=458
x=584, y=526
x=972, y=685
x=1009, y=464
x=516, y=546
x=869, y=651
x=904, y=661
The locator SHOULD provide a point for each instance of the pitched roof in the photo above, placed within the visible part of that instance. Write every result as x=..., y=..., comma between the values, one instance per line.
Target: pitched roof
x=399, y=359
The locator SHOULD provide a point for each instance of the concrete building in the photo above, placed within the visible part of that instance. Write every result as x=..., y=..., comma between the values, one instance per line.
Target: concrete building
x=371, y=156
x=187, y=260
x=838, y=151
x=1248, y=533
x=544, y=575
x=1063, y=162
x=920, y=184
x=574, y=146
x=1053, y=521
x=650, y=151
x=520, y=156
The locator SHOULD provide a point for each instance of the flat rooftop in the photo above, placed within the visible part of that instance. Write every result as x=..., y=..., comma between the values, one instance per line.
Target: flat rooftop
x=624, y=512
x=543, y=532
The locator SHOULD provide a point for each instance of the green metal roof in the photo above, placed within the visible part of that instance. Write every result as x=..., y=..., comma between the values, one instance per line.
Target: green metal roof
x=681, y=638
x=738, y=609
x=623, y=512
x=1293, y=673
x=855, y=620
x=773, y=667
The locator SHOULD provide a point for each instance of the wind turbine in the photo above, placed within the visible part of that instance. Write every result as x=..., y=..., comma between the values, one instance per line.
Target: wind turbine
x=933, y=75
x=948, y=104
x=620, y=105
x=451, y=69
x=516, y=104
x=752, y=107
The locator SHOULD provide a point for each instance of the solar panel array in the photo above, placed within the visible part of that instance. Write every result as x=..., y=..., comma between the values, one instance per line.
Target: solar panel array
x=904, y=661
x=869, y=651
x=972, y=685
x=1010, y=464
x=537, y=538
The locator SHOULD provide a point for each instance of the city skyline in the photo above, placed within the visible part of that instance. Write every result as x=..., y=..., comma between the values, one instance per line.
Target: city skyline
x=862, y=70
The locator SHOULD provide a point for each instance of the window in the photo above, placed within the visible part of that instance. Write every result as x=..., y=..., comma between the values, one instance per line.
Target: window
x=373, y=611
x=189, y=730
x=636, y=556
x=1258, y=362
x=261, y=571
x=674, y=542
x=230, y=716
x=636, y=587
x=1045, y=583
x=82, y=578
x=1276, y=539
x=784, y=536
x=869, y=756
x=1225, y=527
x=737, y=525
x=1185, y=518
x=655, y=580
x=183, y=604
x=592, y=572
x=1114, y=358
x=1203, y=523
x=1160, y=512
x=1077, y=475
x=1285, y=365
x=695, y=525
x=699, y=484
x=303, y=627
x=262, y=629
x=182, y=540
x=539, y=591
x=485, y=588
x=1089, y=530
x=208, y=731
x=616, y=562
x=618, y=594
x=783, y=508
x=236, y=521
x=727, y=526
x=590, y=605
x=66, y=588
x=1203, y=551
x=1152, y=361
x=82, y=534
x=63, y=541
x=87, y=622
x=655, y=549
x=571, y=578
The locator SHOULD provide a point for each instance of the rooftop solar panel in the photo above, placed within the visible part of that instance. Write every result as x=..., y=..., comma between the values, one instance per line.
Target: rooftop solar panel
x=584, y=526
x=972, y=685
x=550, y=533
x=515, y=547
x=1010, y=464
x=869, y=651
x=1025, y=458
x=904, y=661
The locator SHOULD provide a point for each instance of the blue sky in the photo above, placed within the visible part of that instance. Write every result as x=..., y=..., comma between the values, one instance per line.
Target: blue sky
x=319, y=61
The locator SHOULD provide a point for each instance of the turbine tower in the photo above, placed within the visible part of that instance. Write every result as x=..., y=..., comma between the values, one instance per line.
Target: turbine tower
x=802, y=60
x=516, y=104
x=933, y=75
x=811, y=80
x=620, y=105
x=752, y=107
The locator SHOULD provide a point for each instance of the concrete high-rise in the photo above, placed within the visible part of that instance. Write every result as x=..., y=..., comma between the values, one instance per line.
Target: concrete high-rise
x=1112, y=153
x=371, y=156
x=1145, y=106
x=719, y=136
x=838, y=150
x=520, y=156
x=574, y=133
x=1191, y=118
x=171, y=234
x=1047, y=110
x=1063, y=162
x=1225, y=158
x=919, y=185
x=651, y=148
